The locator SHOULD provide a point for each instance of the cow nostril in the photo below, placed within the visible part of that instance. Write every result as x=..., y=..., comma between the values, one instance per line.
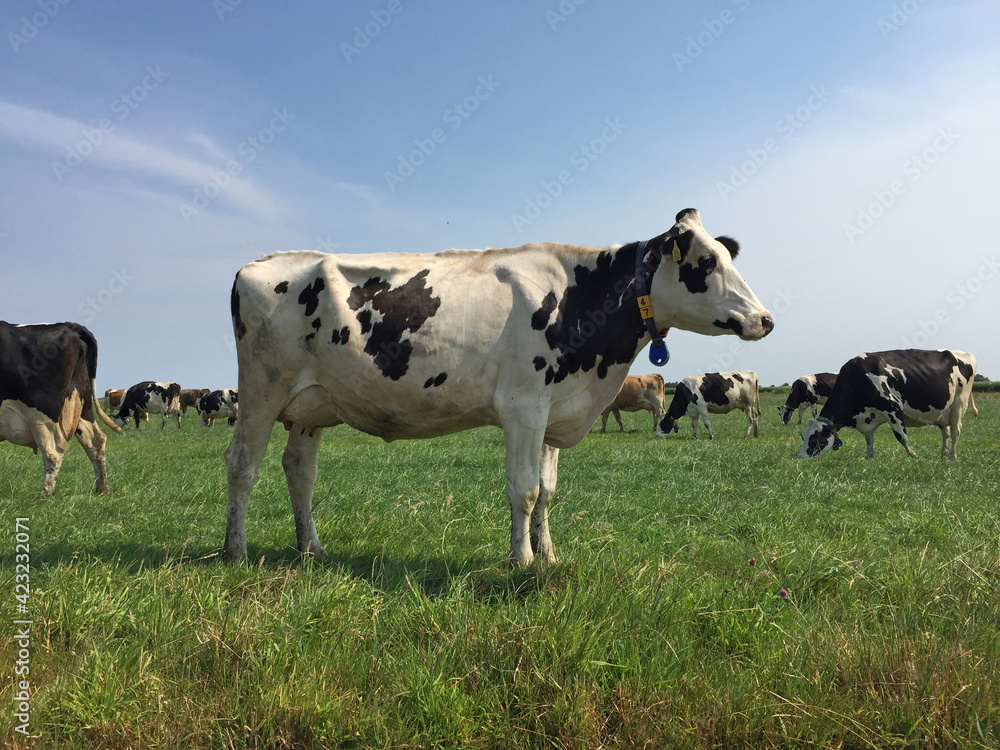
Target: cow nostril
x=767, y=323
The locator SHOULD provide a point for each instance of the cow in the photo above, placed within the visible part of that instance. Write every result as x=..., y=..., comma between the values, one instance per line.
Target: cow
x=904, y=387
x=807, y=391
x=536, y=340
x=48, y=393
x=150, y=397
x=713, y=393
x=221, y=403
x=113, y=398
x=638, y=392
x=190, y=396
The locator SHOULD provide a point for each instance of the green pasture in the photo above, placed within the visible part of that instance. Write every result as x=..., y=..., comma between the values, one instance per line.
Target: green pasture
x=708, y=594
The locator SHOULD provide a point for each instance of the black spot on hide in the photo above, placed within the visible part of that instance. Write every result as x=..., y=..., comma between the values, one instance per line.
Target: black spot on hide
x=310, y=295
x=597, y=322
x=540, y=318
x=404, y=310
x=714, y=388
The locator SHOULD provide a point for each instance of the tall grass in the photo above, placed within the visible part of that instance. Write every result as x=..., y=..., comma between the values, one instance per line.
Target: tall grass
x=709, y=594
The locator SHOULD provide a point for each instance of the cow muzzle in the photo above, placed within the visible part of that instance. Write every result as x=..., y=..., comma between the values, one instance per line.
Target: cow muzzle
x=750, y=328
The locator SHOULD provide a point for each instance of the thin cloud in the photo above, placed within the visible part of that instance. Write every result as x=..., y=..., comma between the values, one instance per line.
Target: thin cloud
x=61, y=136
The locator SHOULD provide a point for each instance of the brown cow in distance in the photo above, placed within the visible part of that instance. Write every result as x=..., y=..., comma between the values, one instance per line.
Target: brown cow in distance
x=638, y=392
x=190, y=396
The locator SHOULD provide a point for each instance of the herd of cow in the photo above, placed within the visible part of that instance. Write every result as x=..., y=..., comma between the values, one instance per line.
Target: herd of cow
x=169, y=399
x=904, y=388
x=536, y=340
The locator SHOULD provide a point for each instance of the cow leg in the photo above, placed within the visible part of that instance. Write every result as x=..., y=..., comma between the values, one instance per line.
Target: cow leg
x=694, y=426
x=708, y=426
x=523, y=456
x=52, y=446
x=163, y=420
x=93, y=441
x=604, y=421
x=300, y=462
x=802, y=410
x=945, y=433
x=870, y=444
x=896, y=423
x=751, y=422
x=618, y=419
x=243, y=457
x=541, y=542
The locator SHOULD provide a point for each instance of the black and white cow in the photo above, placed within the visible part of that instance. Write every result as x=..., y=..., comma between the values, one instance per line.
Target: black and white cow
x=150, y=397
x=218, y=404
x=48, y=394
x=807, y=392
x=713, y=393
x=904, y=387
x=536, y=340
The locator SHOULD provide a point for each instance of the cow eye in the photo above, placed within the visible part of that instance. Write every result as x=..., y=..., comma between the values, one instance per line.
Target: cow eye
x=707, y=263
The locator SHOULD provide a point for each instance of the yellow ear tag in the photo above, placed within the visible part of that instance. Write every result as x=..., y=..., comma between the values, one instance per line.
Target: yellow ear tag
x=677, y=253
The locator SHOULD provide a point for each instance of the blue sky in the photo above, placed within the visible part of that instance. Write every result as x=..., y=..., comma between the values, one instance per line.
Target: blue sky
x=148, y=151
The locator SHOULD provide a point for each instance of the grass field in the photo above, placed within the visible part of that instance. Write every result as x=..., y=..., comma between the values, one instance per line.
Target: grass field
x=709, y=594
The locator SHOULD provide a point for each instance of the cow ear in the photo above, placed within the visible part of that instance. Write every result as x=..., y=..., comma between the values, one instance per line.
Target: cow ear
x=678, y=247
x=730, y=244
x=673, y=244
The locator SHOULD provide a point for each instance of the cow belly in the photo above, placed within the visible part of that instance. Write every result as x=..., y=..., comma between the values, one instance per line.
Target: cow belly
x=16, y=422
x=916, y=418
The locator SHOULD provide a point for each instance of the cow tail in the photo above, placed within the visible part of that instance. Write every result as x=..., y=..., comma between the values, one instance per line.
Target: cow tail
x=972, y=403
x=100, y=412
x=756, y=398
x=90, y=344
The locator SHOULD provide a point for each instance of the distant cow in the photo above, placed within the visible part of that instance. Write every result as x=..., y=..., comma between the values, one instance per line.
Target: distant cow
x=48, y=394
x=217, y=404
x=713, y=393
x=113, y=398
x=150, y=397
x=190, y=396
x=536, y=340
x=638, y=392
x=904, y=387
x=807, y=391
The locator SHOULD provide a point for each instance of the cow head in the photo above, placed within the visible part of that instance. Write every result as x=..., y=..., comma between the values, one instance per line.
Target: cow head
x=120, y=419
x=785, y=413
x=666, y=426
x=818, y=437
x=696, y=286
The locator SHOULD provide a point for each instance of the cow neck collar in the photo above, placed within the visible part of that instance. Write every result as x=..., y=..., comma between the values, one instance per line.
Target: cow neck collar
x=659, y=355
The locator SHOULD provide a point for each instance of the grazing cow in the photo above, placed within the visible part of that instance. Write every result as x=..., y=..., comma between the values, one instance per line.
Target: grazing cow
x=904, y=387
x=113, y=399
x=807, y=391
x=217, y=404
x=536, y=340
x=48, y=394
x=713, y=393
x=189, y=398
x=149, y=397
x=638, y=392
